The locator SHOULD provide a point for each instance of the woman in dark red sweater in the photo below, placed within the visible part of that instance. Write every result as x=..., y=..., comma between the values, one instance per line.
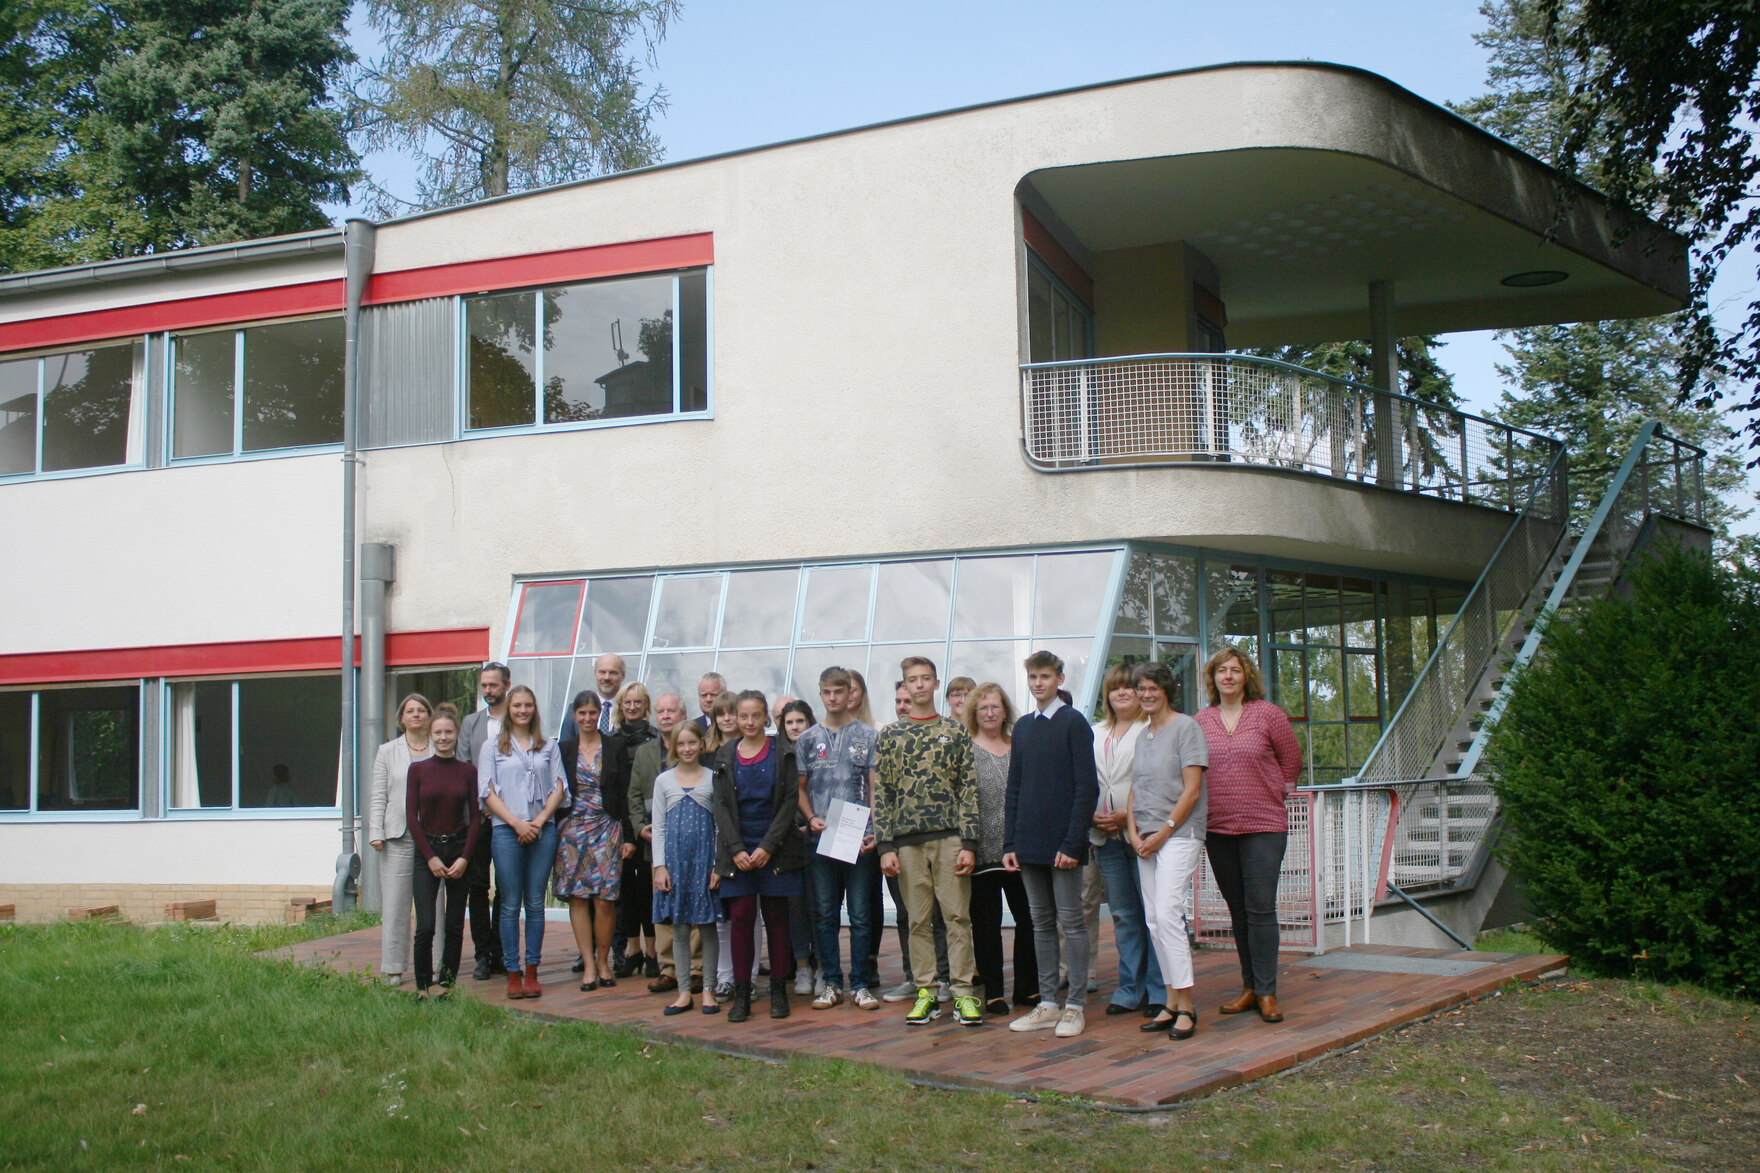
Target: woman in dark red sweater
x=445, y=821
x=1255, y=760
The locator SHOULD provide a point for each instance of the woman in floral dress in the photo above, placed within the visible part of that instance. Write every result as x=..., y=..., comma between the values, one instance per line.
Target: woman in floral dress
x=589, y=849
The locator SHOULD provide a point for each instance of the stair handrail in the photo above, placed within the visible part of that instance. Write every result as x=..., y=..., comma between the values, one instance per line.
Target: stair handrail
x=1547, y=503
x=1622, y=480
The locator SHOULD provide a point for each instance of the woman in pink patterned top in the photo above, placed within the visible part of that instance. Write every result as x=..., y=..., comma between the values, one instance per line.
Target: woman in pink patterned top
x=1254, y=763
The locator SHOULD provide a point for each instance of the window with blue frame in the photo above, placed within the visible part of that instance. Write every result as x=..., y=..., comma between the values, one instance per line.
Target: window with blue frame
x=258, y=743
x=256, y=389
x=71, y=750
x=75, y=410
x=626, y=347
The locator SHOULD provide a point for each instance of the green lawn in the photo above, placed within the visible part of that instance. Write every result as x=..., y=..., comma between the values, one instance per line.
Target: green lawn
x=177, y=1048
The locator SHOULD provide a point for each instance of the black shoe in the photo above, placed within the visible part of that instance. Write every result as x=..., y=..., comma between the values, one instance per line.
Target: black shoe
x=579, y=966
x=996, y=1006
x=1153, y=1009
x=674, y=1009
x=1156, y=1026
x=481, y=972
x=1174, y=1030
x=1114, y=1008
x=651, y=967
x=778, y=998
x=1027, y=1000
x=742, y=1002
x=626, y=966
x=498, y=967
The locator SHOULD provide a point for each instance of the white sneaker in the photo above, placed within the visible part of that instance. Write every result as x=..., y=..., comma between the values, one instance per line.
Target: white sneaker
x=803, y=980
x=902, y=992
x=1044, y=1016
x=1070, y=1022
x=391, y=979
x=943, y=992
x=818, y=982
x=863, y=999
x=829, y=998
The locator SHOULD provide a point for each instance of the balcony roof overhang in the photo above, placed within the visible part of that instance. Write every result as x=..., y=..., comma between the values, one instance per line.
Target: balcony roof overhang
x=1297, y=234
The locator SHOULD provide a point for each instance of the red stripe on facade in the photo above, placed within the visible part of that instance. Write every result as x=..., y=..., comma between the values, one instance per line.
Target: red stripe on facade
x=189, y=313
x=575, y=264
x=462, y=645
x=186, y=313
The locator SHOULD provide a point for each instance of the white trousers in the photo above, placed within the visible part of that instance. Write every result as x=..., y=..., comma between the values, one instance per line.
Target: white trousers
x=397, y=903
x=1167, y=905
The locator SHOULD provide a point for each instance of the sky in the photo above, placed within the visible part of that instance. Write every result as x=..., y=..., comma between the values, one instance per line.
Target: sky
x=751, y=72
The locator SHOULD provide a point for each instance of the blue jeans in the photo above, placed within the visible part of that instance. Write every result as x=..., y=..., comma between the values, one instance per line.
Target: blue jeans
x=833, y=882
x=521, y=871
x=1139, y=973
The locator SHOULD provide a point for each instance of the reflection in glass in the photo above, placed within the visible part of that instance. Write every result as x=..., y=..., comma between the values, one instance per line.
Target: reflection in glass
x=86, y=400
x=687, y=611
x=547, y=614
x=1325, y=688
x=765, y=670
x=608, y=349
x=1232, y=596
x=616, y=617
x=809, y=662
x=1176, y=595
x=289, y=734
x=990, y=660
x=1364, y=688
x=548, y=678
x=15, y=751
x=1070, y=591
x=18, y=417
x=760, y=608
x=693, y=340
x=293, y=384
x=995, y=598
x=678, y=672
x=1358, y=611
x=1287, y=680
x=1283, y=606
x=500, y=366
x=837, y=604
x=88, y=749
x=201, y=422
x=912, y=599
x=201, y=744
x=1322, y=611
x=885, y=665
x=1135, y=603
x=1327, y=745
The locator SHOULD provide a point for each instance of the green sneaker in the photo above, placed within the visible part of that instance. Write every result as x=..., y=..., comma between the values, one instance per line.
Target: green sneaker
x=968, y=1011
x=926, y=1008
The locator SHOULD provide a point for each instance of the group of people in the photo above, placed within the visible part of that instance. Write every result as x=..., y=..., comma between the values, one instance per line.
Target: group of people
x=675, y=842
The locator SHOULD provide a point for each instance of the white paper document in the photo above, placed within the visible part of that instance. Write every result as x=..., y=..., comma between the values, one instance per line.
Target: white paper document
x=846, y=825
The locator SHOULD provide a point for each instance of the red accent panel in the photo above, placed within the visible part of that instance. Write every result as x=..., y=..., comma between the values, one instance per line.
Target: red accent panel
x=183, y=314
x=1057, y=257
x=462, y=645
x=575, y=264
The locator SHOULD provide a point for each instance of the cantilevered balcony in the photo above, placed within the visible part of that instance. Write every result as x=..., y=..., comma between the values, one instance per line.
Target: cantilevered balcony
x=1145, y=411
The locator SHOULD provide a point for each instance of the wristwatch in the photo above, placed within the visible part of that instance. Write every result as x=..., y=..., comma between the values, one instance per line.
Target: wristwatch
x=1172, y=826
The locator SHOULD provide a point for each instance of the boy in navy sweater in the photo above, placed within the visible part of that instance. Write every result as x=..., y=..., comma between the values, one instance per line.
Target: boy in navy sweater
x=1053, y=788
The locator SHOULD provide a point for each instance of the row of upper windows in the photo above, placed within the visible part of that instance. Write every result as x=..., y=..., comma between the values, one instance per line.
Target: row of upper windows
x=626, y=348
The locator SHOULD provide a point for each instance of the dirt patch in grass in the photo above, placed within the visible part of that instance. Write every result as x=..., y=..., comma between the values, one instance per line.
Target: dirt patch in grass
x=1681, y=1068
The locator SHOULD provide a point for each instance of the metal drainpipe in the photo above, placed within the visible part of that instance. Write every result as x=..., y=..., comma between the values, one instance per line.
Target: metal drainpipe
x=357, y=259
x=378, y=570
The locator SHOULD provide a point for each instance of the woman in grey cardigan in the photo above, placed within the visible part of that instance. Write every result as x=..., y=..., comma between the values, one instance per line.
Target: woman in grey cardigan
x=388, y=832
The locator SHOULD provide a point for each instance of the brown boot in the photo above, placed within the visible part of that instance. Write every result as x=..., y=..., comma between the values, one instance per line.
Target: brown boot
x=1268, y=1008
x=533, y=989
x=1240, y=1003
x=516, y=987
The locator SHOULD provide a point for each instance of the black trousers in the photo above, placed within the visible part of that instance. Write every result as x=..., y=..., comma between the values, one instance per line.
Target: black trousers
x=485, y=920
x=426, y=887
x=989, y=890
x=1246, y=868
x=635, y=904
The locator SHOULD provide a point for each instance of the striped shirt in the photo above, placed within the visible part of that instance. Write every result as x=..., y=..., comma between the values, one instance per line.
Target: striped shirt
x=1252, y=770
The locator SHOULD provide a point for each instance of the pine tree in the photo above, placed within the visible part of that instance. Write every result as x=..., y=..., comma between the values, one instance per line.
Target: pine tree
x=505, y=95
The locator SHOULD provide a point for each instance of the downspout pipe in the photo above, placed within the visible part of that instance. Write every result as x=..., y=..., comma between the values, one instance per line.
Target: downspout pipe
x=378, y=572
x=357, y=260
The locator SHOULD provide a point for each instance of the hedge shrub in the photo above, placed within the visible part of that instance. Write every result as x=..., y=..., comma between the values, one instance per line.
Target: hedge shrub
x=1628, y=763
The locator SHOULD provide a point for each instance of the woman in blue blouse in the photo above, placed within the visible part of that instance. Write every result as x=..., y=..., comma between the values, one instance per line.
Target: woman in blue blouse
x=521, y=783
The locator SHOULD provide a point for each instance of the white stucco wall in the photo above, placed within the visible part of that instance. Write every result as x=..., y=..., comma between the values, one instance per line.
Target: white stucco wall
x=171, y=851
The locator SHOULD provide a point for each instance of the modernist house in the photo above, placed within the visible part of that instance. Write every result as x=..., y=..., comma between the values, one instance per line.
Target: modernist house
x=965, y=384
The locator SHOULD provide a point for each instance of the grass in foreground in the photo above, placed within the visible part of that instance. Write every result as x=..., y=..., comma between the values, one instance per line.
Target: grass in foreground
x=176, y=1048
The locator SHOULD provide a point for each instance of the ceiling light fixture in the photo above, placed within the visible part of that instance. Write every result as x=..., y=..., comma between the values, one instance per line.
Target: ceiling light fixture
x=1534, y=278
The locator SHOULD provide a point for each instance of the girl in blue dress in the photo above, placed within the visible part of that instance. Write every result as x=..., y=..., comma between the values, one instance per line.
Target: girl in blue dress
x=684, y=859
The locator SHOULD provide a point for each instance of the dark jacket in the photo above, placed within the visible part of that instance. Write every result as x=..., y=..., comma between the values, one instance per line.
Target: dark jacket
x=1053, y=787
x=614, y=761
x=783, y=840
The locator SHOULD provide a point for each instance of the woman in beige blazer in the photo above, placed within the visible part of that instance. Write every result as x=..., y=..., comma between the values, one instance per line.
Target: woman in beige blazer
x=1115, y=749
x=388, y=832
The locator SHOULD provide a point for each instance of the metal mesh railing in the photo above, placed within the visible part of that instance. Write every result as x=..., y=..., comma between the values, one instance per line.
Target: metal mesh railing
x=1440, y=827
x=1175, y=408
x=1298, y=917
x=1409, y=746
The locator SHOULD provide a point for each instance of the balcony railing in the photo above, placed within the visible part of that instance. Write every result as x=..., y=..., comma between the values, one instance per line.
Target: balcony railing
x=1162, y=409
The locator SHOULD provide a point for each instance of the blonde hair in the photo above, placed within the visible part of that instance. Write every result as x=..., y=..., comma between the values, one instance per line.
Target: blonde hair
x=1253, y=686
x=680, y=730
x=861, y=712
x=634, y=688
x=727, y=702
x=976, y=697
x=1118, y=676
x=505, y=743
